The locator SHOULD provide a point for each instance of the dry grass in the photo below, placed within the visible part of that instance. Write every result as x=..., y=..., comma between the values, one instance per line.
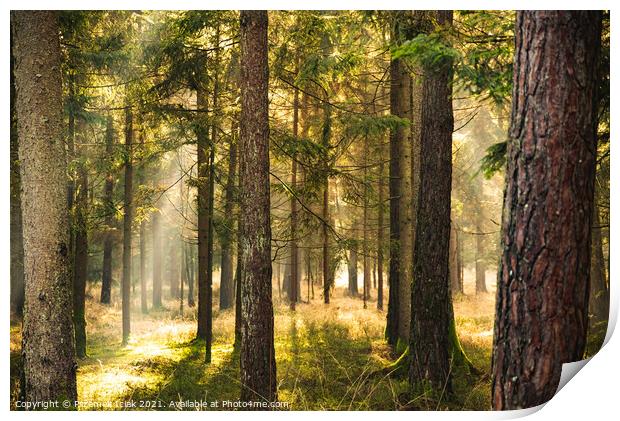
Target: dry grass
x=328, y=356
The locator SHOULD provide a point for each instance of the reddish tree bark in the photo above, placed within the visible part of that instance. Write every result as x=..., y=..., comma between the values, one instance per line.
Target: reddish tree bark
x=542, y=299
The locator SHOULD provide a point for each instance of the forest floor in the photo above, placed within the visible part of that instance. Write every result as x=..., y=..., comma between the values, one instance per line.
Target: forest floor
x=328, y=358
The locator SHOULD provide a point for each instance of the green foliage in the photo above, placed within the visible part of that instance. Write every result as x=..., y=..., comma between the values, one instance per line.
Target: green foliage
x=428, y=50
x=494, y=159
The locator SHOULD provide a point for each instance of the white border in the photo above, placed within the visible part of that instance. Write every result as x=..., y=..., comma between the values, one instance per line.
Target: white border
x=592, y=394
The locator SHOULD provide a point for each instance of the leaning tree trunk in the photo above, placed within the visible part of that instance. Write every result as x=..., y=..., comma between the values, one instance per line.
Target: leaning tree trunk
x=543, y=278
x=258, y=364
x=128, y=207
x=430, y=293
x=47, y=341
x=110, y=210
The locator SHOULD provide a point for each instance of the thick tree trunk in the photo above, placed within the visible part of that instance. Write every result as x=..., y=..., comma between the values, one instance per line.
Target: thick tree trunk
x=543, y=278
x=110, y=210
x=258, y=364
x=430, y=292
x=17, y=237
x=80, y=263
x=203, y=220
x=128, y=207
x=47, y=341
x=227, y=292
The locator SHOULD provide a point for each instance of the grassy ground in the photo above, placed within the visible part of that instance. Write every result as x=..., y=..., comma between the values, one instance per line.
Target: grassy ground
x=328, y=357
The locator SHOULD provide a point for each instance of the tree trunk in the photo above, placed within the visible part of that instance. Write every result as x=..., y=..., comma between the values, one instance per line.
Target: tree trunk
x=455, y=284
x=365, y=248
x=191, y=276
x=128, y=207
x=203, y=219
x=143, y=304
x=258, y=364
x=16, y=235
x=459, y=261
x=173, y=271
x=294, y=286
x=543, y=279
x=157, y=258
x=110, y=210
x=80, y=263
x=430, y=292
x=47, y=341
x=226, y=284
x=599, y=289
x=352, y=266
x=380, y=234
x=209, y=289
x=481, y=267
x=239, y=269
x=327, y=280
x=405, y=244
x=396, y=138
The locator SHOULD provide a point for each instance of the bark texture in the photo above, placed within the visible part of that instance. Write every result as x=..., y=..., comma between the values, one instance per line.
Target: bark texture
x=258, y=365
x=17, y=237
x=47, y=345
x=543, y=278
x=430, y=292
